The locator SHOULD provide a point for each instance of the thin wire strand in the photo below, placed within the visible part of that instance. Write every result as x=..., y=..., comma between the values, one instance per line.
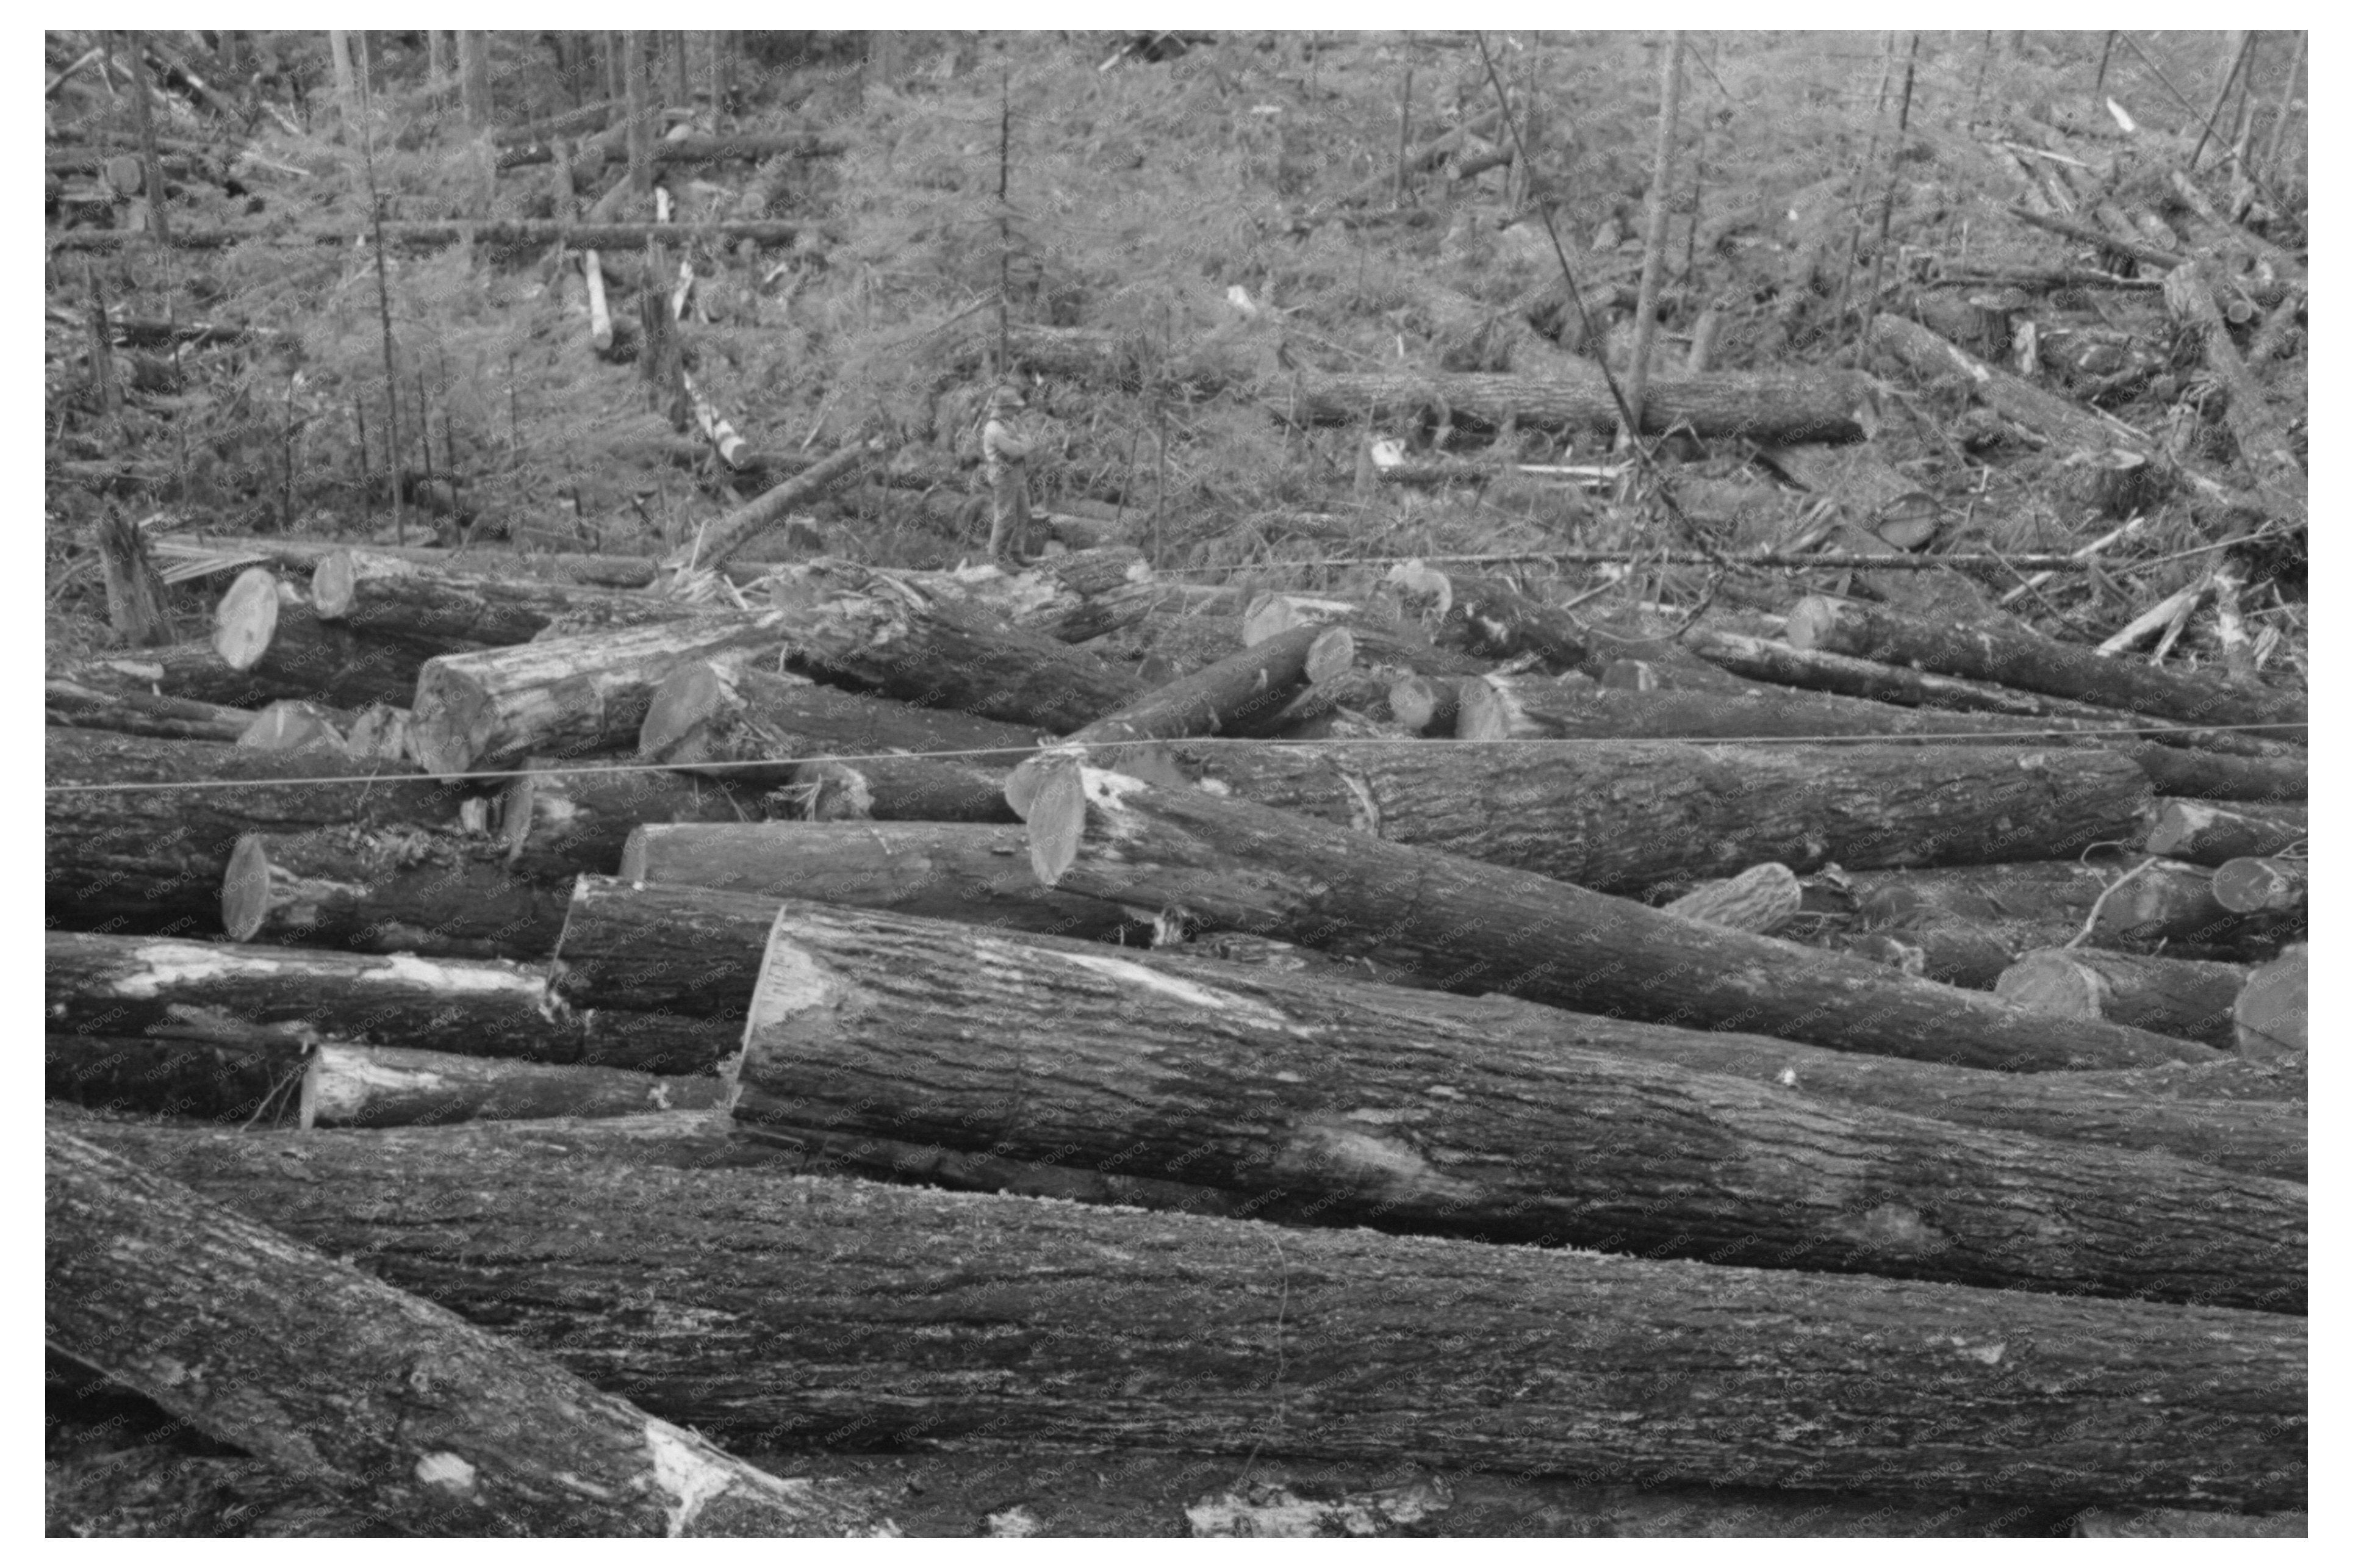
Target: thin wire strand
x=164, y=785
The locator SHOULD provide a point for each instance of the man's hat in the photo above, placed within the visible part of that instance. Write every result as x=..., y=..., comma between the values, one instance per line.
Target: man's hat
x=1006, y=398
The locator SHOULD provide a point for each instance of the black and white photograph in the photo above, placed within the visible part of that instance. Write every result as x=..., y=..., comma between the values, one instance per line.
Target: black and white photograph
x=1316, y=783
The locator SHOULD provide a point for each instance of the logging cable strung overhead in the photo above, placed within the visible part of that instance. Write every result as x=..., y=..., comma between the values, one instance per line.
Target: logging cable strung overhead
x=1908, y=739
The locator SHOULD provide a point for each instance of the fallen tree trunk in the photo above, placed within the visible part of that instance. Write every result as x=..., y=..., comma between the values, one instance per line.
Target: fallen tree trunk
x=1427, y=704
x=2180, y=997
x=383, y=1085
x=947, y=870
x=1348, y=1105
x=510, y=233
x=1238, y=689
x=1768, y=407
x=267, y=631
x=2206, y=834
x=851, y=625
x=1761, y=659
x=290, y=725
x=308, y=1361
x=446, y=610
x=884, y=1313
x=2255, y=781
x=1070, y=598
x=78, y=707
x=2155, y=906
x=722, y=538
x=1932, y=358
x=2259, y=432
x=123, y=985
x=755, y=728
x=2018, y=656
x=653, y=948
x=586, y=570
x=1464, y=924
x=128, y=858
x=488, y=709
x=558, y=821
x=204, y=1070
x=1518, y=708
x=1623, y=815
x=2272, y=1015
x=387, y=890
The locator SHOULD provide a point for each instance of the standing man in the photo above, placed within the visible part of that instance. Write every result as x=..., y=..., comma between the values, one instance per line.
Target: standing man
x=1006, y=456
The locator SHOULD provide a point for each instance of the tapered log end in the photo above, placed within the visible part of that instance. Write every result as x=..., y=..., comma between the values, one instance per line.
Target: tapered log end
x=2249, y=886
x=245, y=891
x=1266, y=616
x=686, y=696
x=633, y=854
x=1331, y=655
x=331, y=586
x=246, y=619
x=1809, y=625
x=2274, y=1013
x=441, y=723
x=1483, y=711
x=1058, y=819
x=1414, y=702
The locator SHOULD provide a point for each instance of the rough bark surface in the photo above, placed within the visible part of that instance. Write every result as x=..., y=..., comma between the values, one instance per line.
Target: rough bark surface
x=446, y=610
x=385, y=1085
x=1623, y=815
x=78, y=707
x=2018, y=656
x=402, y=1407
x=2181, y=997
x=396, y=889
x=1466, y=925
x=2203, y=833
x=1767, y=407
x=1351, y=1103
x=950, y=871
x=125, y=984
x=558, y=821
x=149, y=859
x=851, y=1313
x=267, y=631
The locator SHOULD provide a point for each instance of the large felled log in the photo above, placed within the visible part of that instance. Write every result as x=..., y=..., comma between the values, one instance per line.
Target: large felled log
x=948, y=870
x=722, y=537
x=2020, y=656
x=853, y=1313
x=80, y=706
x=2143, y=907
x=2203, y=833
x=1815, y=669
x=445, y=610
x=752, y=728
x=2256, y=780
x=855, y=626
x=2180, y=997
x=1496, y=620
x=1466, y=924
x=1070, y=598
x=565, y=695
x=1251, y=684
x=154, y=858
x=511, y=233
x=1932, y=358
x=1623, y=815
x=390, y=1401
x=2272, y=1015
x=267, y=630
x=124, y=985
x=1518, y=708
x=387, y=890
x=558, y=819
x=2261, y=434
x=2165, y=901
x=385, y=1085
x=1761, y=406
x=305, y=555
x=205, y=1069
x=1354, y=1105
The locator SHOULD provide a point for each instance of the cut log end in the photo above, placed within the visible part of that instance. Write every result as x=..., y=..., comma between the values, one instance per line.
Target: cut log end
x=246, y=619
x=291, y=726
x=1485, y=712
x=1809, y=623
x=2050, y=983
x=245, y=894
x=331, y=586
x=1058, y=819
x=1331, y=655
x=2249, y=886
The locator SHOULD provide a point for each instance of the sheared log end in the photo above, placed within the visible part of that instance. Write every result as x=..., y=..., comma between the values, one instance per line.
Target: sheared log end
x=2273, y=1016
x=685, y=698
x=332, y=585
x=1330, y=656
x=1057, y=818
x=1809, y=623
x=245, y=896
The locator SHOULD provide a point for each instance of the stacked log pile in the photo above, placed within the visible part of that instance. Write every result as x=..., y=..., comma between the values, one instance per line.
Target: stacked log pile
x=1469, y=1026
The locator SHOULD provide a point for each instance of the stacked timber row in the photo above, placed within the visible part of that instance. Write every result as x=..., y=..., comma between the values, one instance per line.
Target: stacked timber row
x=715, y=910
